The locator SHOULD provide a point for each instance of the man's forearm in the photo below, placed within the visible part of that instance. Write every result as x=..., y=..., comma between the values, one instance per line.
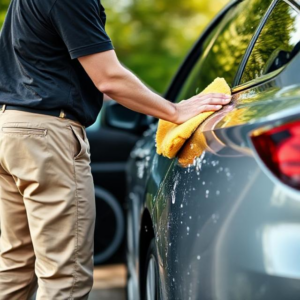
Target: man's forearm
x=111, y=78
x=128, y=90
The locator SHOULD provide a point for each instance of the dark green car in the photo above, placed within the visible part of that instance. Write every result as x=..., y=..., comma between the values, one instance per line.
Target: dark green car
x=226, y=227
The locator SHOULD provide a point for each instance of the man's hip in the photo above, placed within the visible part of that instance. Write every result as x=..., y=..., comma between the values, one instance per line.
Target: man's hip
x=48, y=159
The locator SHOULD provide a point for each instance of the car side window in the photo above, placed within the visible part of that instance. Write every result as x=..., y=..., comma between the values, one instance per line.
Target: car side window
x=276, y=45
x=224, y=52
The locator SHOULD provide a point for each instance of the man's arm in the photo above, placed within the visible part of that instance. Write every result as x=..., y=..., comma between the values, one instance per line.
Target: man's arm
x=111, y=78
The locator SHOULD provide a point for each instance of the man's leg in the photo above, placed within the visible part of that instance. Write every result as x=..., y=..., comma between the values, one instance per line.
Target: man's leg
x=17, y=278
x=56, y=182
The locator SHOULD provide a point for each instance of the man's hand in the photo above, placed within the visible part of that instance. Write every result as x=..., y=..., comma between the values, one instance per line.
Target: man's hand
x=112, y=79
x=192, y=107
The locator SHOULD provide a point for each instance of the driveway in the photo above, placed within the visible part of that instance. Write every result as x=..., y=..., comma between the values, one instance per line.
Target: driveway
x=109, y=283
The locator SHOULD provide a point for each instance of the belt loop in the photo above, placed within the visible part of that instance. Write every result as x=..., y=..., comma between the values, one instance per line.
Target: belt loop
x=62, y=114
x=3, y=108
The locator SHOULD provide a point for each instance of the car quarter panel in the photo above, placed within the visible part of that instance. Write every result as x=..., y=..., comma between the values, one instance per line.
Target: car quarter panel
x=224, y=228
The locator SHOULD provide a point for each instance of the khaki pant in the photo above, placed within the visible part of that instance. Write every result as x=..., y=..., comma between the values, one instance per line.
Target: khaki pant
x=47, y=208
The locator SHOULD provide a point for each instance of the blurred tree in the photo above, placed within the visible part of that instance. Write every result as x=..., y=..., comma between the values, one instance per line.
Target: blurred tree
x=152, y=37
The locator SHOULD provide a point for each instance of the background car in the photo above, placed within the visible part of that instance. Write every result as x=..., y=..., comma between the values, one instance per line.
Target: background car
x=110, y=150
x=227, y=226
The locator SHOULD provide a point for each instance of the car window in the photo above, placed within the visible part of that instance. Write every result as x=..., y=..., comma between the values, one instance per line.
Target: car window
x=277, y=43
x=224, y=52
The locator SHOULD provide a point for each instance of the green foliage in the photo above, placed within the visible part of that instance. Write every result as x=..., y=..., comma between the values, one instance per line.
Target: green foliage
x=152, y=37
x=3, y=7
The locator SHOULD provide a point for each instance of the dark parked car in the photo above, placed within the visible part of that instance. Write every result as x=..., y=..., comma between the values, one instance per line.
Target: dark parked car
x=227, y=227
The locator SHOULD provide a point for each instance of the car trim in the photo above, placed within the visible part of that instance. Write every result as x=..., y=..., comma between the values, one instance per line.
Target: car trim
x=257, y=81
x=294, y=4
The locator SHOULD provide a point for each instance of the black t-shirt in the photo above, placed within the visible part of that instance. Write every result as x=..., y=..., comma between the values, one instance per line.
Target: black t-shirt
x=39, y=45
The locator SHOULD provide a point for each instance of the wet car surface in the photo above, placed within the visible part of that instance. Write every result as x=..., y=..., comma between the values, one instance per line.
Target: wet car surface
x=226, y=224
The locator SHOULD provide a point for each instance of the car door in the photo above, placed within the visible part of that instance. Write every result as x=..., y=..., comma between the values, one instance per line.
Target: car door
x=110, y=149
x=213, y=220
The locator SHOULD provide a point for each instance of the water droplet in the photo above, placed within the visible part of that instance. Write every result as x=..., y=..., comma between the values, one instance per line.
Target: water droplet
x=203, y=182
x=190, y=217
x=198, y=257
x=173, y=197
x=215, y=218
x=188, y=228
x=181, y=205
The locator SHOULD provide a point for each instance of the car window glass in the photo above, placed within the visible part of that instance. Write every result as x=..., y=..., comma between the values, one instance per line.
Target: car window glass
x=276, y=45
x=225, y=51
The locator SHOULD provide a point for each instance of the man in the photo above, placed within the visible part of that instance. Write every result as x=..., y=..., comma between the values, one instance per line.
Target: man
x=56, y=61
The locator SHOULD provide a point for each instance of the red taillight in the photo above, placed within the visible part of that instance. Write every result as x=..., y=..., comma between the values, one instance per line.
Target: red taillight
x=279, y=149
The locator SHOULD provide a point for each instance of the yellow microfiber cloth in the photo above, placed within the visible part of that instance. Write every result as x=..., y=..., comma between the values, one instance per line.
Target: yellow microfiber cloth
x=193, y=148
x=170, y=137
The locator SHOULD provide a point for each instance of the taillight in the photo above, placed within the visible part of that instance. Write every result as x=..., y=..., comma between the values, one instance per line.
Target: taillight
x=279, y=149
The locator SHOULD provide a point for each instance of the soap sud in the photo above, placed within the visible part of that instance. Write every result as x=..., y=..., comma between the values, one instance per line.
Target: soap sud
x=198, y=162
x=173, y=193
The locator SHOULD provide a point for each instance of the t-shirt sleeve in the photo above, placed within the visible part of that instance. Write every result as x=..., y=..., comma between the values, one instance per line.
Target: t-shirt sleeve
x=80, y=24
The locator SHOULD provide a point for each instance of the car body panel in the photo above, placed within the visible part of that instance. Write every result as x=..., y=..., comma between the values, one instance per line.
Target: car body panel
x=225, y=227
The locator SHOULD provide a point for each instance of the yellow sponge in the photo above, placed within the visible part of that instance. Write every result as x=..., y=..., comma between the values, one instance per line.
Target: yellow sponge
x=170, y=137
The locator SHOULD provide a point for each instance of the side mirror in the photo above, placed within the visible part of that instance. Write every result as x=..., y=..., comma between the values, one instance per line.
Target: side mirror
x=119, y=117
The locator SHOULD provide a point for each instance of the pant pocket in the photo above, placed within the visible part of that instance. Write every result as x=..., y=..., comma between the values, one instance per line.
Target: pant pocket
x=23, y=129
x=80, y=146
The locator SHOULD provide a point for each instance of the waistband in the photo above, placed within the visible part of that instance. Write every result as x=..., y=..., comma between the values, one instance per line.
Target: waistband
x=59, y=113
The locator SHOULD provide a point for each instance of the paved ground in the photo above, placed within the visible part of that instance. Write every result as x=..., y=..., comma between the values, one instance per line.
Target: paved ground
x=109, y=283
